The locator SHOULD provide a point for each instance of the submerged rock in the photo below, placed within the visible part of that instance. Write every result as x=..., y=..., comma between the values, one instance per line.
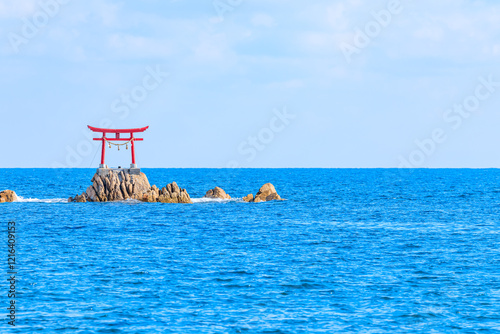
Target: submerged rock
x=8, y=196
x=266, y=193
x=217, y=193
x=117, y=185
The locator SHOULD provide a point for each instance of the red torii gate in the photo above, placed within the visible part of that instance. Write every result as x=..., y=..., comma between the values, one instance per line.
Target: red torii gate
x=117, y=133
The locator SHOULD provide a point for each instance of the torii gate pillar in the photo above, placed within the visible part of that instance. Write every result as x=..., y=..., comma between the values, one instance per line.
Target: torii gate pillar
x=117, y=137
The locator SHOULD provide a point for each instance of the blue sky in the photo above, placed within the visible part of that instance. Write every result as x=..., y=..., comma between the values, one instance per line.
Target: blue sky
x=252, y=83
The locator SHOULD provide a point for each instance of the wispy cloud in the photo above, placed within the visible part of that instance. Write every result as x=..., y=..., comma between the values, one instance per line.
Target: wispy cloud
x=17, y=9
x=264, y=53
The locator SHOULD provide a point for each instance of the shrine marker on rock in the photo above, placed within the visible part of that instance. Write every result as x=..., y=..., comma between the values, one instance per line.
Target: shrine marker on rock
x=117, y=132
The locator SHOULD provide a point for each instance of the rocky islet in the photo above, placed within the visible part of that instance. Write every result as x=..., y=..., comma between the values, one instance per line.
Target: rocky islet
x=109, y=185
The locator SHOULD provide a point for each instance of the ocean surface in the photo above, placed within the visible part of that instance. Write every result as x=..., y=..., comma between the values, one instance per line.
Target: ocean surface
x=372, y=251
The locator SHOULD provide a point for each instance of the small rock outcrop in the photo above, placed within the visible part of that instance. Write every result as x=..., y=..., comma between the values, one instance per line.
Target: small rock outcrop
x=8, y=196
x=217, y=193
x=78, y=199
x=248, y=198
x=169, y=194
x=266, y=193
x=117, y=185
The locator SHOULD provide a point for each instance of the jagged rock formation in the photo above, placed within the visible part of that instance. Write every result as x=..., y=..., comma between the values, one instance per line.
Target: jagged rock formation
x=8, y=196
x=266, y=193
x=217, y=193
x=117, y=185
x=169, y=194
x=121, y=184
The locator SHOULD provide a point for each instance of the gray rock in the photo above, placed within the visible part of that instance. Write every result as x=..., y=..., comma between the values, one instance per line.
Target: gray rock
x=175, y=188
x=110, y=185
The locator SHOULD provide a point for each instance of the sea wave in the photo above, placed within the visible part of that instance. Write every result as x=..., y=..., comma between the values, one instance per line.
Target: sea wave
x=214, y=200
x=128, y=201
x=38, y=200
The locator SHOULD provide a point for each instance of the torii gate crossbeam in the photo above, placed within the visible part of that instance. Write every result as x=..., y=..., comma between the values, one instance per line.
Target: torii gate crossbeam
x=117, y=133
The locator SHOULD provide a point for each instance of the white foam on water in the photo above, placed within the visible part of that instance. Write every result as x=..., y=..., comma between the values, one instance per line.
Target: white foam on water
x=37, y=200
x=127, y=201
x=213, y=200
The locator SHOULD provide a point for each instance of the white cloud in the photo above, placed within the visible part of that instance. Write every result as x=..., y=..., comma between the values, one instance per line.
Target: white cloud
x=17, y=8
x=337, y=16
x=428, y=32
x=290, y=84
x=263, y=20
x=136, y=46
x=213, y=48
x=108, y=29
x=108, y=13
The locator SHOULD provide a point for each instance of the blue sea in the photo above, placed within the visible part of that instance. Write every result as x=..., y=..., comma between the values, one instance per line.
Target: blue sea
x=350, y=250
